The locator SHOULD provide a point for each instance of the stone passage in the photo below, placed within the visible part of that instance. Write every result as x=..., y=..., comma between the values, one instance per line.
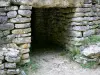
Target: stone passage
x=65, y=26
x=51, y=25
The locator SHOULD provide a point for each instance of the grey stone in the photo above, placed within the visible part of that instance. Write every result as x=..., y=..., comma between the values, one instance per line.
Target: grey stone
x=92, y=51
x=13, y=36
x=26, y=25
x=12, y=14
x=23, y=51
x=7, y=26
x=76, y=33
x=2, y=72
x=1, y=34
x=1, y=66
x=1, y=55
x=12, y=60
x=3, y=19
x=78, y=19
x=21, y=31
x=6, y=32
x=11, y=8
x=25, y=7
x=10, y=65
x=80, y=28
x=82, y=9
x=89, y=32
x=22, y=40
x=0, y=62
x=4, y=3
x=20, y=20
x=13, y=71
x=2, y=13
x=26, y=13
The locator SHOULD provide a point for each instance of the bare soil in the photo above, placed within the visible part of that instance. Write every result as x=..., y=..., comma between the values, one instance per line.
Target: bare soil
x=55, y=62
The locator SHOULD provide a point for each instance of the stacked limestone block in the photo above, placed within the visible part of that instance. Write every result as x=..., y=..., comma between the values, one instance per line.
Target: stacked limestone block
x=83, y=23
x=9, y=58
x=97, y=10
x=21, y=34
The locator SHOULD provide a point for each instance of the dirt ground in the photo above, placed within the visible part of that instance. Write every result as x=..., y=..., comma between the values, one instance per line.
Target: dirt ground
x=55, y=62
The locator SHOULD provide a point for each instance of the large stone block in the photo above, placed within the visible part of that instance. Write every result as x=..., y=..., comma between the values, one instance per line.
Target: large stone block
x=26, y=25
x=21, y=31
x=22, y=40
x=3, y=19
x=25, y=7
x=7, y=26
x=12, y=14
x=20, y=20
x=4, y=3
x=11, y=8
x=26, y=13
x=10, y=65
x=89, y=32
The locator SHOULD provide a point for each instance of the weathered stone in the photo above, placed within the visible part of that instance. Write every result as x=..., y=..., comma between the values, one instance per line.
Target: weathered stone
x=6, y=32
x=12, y=54
x=12, y=45
x=80, y=28
x=78, y=19
x=11, y=8
x=25, y=61
x=12, y=14
x=1, y=34
x=22, y=40
x=1, y=55
x=23, y=51
x=0, y=62
x=88, y=33
x=26, y=25
x=25, y=7
x=20, y=20
x=1, y=66
x=11, y=59
x=2, y=72
x=26, y=13
x=25, y=56
x=21, y=31
x=7, y=26
x=4, y=3
x=2, y=13
x=10, y=65
x=92, y=51
x=13, y=71
x=76, y=34
x=76, y=23
x=89, y=14
x=3, y=19
x=83, y=10
x=50, y=3
x=25, y=46
x=13, y=36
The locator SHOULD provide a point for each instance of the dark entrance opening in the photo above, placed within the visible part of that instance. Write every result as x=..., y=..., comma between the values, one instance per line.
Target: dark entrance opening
x=50, y=27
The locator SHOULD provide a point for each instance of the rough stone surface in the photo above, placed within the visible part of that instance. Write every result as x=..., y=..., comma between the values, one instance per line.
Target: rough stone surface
x=26, y=25
x=12, y=14
x=92, y=51
x=20, y=20
x=26, y=13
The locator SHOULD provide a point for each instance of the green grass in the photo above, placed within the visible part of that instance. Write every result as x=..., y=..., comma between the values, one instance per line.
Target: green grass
x=90, y=64
x=33, y=66
x=91, y=40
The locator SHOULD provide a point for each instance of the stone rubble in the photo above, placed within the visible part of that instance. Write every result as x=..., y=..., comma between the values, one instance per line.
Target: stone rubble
x=9, y=58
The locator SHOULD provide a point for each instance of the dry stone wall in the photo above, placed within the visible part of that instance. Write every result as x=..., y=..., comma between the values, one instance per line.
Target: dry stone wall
x=15, y=37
